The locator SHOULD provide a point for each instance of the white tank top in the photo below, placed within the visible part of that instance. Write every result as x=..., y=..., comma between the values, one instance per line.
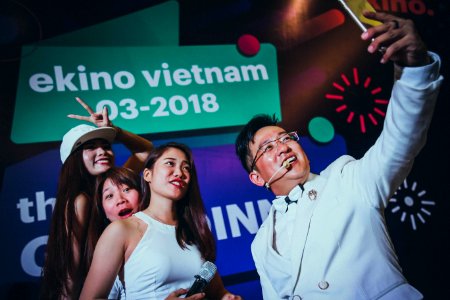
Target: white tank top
x=158, y=265
x=117, y=292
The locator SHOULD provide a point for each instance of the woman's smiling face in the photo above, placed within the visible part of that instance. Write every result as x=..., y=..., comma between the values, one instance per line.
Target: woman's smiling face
x=98, y=156
x=170, y=175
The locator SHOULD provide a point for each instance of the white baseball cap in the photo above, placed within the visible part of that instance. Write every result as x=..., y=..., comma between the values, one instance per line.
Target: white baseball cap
x=80, y=134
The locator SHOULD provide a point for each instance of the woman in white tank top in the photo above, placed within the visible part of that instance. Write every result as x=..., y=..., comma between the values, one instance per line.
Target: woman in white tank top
x=162, y=248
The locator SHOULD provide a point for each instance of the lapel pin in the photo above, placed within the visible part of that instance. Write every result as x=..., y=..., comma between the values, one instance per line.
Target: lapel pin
x=312, y=194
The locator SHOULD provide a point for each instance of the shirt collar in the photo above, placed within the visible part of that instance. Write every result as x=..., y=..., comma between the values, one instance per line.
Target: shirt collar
x=279, y=202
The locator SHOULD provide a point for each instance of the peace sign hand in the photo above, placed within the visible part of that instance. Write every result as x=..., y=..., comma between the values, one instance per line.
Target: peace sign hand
x=100, y=119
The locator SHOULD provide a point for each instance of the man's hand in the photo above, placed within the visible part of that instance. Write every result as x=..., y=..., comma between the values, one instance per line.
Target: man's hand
x=398, y=37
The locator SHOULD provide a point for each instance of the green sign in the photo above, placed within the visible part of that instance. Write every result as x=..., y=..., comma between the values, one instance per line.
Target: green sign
x=146, y=89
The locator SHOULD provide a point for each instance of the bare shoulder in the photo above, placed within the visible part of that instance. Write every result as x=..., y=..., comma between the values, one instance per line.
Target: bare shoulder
x=127, y=232
x=136, y=226
x=127, y=227
x=118, y=227
x=82, y=206
x=81, y=201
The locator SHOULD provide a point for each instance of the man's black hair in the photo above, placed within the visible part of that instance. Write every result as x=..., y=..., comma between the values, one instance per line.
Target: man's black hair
x=247, y=134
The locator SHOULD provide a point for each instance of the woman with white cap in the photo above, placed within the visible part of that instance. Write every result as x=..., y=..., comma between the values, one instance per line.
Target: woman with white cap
x=85, y=153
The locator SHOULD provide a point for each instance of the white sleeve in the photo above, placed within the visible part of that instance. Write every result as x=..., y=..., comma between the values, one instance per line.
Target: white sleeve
x=387, y=163
x=257, y=249
x=268, y=291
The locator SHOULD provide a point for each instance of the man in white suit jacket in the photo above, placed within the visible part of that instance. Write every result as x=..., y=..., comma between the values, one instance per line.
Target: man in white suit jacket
x=333, y=242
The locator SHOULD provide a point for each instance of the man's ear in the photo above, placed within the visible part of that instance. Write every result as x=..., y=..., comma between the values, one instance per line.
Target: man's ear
x=256, y=178
x=147, y=174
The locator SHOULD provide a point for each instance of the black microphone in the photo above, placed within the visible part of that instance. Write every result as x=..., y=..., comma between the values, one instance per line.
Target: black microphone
x=205, y=275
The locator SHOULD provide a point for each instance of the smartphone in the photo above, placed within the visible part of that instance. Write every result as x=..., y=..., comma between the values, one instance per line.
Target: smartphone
x=355, y=9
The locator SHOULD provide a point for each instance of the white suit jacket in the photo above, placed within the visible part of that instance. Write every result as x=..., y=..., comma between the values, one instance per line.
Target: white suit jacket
x=340, y=245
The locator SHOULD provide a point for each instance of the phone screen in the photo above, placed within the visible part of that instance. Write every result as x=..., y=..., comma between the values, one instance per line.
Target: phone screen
x=355, y=9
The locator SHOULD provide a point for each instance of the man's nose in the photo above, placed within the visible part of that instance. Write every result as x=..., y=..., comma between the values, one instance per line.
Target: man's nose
x=281, y=147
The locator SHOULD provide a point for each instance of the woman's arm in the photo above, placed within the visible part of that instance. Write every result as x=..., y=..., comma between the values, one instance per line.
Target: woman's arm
x=77, y=230
x=107, y=262
x=82, y=208
x=139, y=147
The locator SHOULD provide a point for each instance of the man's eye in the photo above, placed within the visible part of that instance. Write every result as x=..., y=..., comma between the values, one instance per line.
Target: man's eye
x=285, y=138
x=126, y=189
x=268, y=147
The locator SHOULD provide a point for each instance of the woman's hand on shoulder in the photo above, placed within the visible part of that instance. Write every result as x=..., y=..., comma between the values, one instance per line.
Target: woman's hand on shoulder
x=176, y=295
x=229, y=296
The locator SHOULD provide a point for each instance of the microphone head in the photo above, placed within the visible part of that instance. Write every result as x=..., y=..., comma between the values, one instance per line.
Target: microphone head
x=207, y=271
x=287, y=163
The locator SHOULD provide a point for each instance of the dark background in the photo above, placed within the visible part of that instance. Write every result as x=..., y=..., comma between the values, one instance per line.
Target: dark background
x=423, y=252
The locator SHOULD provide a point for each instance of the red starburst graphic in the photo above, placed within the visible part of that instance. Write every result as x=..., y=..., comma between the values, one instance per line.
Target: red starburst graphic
x=361, y=102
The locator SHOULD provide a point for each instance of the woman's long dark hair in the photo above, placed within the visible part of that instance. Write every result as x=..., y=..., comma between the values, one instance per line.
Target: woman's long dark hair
x=62, y=277
x=192, y=228
x=98, y=220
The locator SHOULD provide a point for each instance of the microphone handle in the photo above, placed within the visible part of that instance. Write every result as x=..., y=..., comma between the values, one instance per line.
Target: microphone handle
x=197, y=287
